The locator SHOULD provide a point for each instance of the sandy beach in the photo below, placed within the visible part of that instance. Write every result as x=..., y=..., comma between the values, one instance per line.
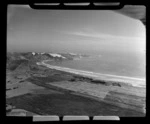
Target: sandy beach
x=138, y=82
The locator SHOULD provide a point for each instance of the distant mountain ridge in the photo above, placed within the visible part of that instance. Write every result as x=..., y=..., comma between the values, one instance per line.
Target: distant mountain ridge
x=42, y=56
x=16, y=60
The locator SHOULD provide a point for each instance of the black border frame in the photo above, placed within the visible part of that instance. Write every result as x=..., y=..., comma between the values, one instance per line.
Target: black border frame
x=122, y=119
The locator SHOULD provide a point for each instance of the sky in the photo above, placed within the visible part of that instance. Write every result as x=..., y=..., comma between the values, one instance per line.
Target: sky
x=72, y=31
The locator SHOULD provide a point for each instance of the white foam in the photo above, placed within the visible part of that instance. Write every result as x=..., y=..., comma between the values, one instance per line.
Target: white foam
x=56, y=55
x=33, y=53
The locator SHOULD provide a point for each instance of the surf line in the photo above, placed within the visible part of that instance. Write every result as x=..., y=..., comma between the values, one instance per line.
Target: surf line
x=90, y=73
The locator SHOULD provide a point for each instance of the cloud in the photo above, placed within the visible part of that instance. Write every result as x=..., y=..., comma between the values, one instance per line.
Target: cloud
x=102, y=35
x=89, y=34
x=96, y=35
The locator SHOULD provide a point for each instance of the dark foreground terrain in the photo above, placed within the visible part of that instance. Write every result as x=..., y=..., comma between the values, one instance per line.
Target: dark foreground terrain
x=67, y=104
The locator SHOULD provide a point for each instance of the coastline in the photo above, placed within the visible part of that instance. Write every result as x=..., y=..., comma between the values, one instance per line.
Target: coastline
x=75, y=90
x=137, y=82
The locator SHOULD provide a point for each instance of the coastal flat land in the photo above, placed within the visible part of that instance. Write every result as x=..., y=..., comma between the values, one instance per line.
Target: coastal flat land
x=46, y=91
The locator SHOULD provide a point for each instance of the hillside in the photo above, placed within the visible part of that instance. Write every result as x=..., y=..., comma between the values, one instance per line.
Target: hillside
x=30, y=58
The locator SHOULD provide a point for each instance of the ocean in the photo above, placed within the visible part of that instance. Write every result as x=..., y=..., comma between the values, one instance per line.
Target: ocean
x=113, y=63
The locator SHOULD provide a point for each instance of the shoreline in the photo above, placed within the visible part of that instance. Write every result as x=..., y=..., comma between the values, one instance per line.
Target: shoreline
x=137, y=82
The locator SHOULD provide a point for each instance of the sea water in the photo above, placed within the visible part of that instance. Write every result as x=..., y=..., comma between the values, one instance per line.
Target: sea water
x=113, y=63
